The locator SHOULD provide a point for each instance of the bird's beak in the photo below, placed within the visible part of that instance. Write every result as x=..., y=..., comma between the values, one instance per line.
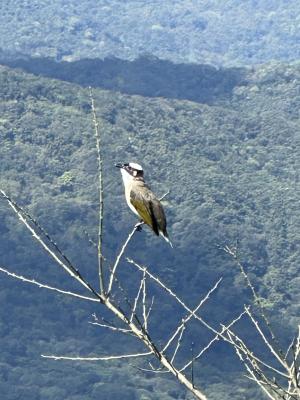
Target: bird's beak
x=119, y=165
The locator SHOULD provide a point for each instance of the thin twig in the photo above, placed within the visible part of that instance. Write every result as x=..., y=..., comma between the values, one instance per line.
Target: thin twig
x=274, y=388
x=243, y=347
x=192, y=365
x=164, y=195
x=105, y=358
x=295, y=368
x=172, y=294
x=146, y=339
x=128, y=302
x=43, y=286
x=178, y=343
x=100, y=188
x=254, y=369
x=290, y=347
x=111, y=327
x=191, y=314
x=267, y=343
x=294, y=373
x=150, y=307
x=252, y=374
x=117, y=261
x=154, y=371
x=133, y=311
x=214, y=339
x=144, y=303
x=197, y=317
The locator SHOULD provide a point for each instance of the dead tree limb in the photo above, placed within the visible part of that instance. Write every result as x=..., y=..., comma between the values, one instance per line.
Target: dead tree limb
x=100, y=191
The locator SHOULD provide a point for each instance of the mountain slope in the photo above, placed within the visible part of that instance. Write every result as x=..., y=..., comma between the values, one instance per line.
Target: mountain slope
x=233, y=171
x=227, y=33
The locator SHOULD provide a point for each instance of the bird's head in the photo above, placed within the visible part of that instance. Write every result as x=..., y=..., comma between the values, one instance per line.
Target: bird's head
x=131, y=171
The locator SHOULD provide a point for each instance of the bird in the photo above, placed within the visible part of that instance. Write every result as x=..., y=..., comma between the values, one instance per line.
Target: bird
x=142, y=201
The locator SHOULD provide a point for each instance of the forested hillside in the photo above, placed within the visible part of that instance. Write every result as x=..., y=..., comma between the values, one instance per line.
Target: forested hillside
x=232, y=166
x=234, y=32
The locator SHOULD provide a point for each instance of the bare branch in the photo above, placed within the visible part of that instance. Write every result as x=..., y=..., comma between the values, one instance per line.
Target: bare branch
x=192, y=360
x=136, y=301
x=172, y=294
x=240, y=344
x=191, y=314
x=178, y=343
x=43, y=286
x=270, y=347
x=253, y=369
x=290, y=347
x=273, y=387
x=150, y=307
x=153, y=371
x=164, y=195
x=295, y=368
x=253, y=376
x=115, y=266
x=159, y=282
x=67, y=266
x=144, y=302
x=218, y=334
x=146, y=339
x=100, y=188
x=214, y=339
x=111, y=327
x=297, y=350
x=105, y=358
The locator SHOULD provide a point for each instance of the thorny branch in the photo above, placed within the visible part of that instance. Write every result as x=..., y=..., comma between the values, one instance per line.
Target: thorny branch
x=122, y=251
x=191, y=314
x=106, y=358
x=100, y=189
x=43, y=286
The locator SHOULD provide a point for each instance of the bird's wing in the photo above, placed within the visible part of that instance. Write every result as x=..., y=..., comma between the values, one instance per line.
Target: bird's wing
x=159, y=214
x=144, y=205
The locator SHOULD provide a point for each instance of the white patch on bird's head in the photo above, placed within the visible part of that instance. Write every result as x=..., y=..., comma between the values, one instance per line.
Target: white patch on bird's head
x=135, y=166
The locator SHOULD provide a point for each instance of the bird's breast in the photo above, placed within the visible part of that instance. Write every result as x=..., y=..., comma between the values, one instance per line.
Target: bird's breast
x=128, y=189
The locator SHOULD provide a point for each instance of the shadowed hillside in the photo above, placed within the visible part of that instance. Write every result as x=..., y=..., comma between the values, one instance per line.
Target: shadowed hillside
x=146, y=76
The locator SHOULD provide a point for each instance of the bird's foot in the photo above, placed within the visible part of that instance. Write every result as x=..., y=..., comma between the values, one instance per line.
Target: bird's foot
x=138, y=226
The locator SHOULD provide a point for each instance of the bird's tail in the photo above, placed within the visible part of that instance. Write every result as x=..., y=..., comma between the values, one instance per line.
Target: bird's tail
x=166, y=237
